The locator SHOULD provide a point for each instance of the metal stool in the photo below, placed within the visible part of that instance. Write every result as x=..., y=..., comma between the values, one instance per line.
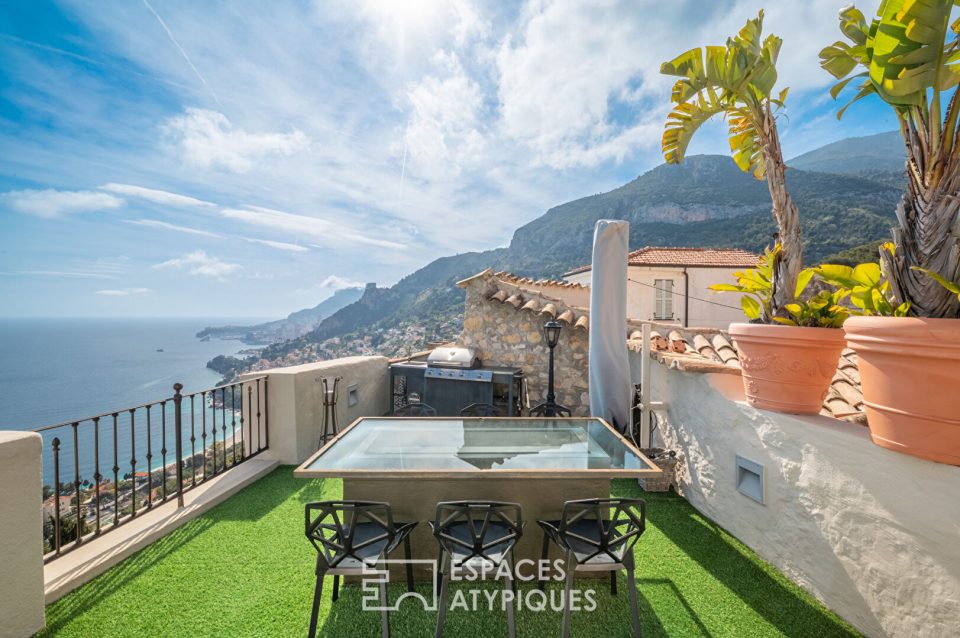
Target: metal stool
x=351, y=537
x=598, y=534
x=476, y=533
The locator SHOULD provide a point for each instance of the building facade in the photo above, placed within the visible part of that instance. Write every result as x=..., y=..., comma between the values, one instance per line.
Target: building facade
x=672, y=285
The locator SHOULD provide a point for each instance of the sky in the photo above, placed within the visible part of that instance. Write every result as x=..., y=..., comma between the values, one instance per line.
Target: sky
x=246, y=159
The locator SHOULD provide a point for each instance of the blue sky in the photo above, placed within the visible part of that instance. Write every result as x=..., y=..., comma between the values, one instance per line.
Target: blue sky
x=167, y=158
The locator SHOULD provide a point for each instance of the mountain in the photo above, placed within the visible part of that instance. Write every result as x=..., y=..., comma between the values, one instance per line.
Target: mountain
x=706, y=201
x=880, y=153
x=296, y=324
x=716, y=203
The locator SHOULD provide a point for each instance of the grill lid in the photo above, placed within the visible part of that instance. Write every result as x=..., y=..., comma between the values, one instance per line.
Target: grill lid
x=453, y=357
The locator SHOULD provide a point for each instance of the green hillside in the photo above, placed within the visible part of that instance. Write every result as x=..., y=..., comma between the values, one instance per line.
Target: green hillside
x=706, y=201
x=882, y=152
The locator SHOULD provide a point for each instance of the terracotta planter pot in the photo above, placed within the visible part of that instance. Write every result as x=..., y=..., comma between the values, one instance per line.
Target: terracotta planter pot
x=910, y=369
x=787, y=369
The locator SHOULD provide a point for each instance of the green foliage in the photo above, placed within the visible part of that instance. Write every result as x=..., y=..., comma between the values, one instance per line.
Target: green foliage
x=952, y=286
x=856, y=255
x=821, y=310
x=756, y=284
x=866, y=285
x=899, y=55
x=735, y=80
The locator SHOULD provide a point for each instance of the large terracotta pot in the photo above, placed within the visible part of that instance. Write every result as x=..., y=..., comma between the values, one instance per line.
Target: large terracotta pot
x=910, y=369
x=785, y=368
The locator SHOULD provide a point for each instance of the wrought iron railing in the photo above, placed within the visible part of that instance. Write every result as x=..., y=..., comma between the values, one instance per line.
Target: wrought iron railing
x=210, y=431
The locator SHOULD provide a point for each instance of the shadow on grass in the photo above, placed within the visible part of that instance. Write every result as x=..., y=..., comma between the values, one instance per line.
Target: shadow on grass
x=116, y=578
x=782, y=604
x=610, y=619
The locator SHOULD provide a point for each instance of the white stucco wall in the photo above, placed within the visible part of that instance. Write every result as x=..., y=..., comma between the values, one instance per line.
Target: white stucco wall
x=872, y=533
x=295, y=401
x=21, y=525
x=641, y=296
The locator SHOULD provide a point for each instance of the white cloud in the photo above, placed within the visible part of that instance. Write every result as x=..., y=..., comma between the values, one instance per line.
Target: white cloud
x=444, y=129
x=157, y=196
x=281, y=245
x=52, y=203
x=122, y=292
x=155, y=223
x=335, y=282
x=301, y=225
x=207, y=139
x=200, y=264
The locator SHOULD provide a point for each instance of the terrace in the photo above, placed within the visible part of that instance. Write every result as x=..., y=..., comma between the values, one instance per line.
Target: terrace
x=830, y=545
x=244, y=568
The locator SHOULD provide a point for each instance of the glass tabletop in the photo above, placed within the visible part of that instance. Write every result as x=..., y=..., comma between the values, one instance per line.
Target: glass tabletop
x=452, y=446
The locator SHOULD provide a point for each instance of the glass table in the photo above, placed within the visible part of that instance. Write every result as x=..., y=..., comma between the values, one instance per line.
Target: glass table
x=414, y=463
x=478, y=447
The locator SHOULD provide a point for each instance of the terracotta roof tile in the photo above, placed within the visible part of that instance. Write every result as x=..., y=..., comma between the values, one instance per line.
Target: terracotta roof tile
x=711, y=350
x=691, y=257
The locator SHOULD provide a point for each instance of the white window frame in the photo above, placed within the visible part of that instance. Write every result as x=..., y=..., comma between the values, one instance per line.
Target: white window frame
x=663, y=299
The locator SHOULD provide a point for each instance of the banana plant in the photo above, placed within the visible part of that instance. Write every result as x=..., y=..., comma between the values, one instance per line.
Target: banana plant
x=737, y=81
x=866, y=286
x=909, y=57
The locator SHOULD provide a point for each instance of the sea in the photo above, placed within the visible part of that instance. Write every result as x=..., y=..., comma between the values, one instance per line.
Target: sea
x=58, y=370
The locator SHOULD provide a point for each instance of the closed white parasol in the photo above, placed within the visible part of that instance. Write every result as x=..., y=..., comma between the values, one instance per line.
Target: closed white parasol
x=610, y=389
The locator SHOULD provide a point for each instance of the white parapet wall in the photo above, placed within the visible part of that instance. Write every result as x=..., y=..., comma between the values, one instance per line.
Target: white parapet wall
x=21, y=525
x=872, y=533
x=295, y=401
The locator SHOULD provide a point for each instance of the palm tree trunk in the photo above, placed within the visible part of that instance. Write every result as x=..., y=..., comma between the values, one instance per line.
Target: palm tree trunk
x=788, y=266
x=928, y=236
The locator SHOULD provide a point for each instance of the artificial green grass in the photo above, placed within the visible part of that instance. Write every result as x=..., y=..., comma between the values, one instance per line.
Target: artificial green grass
x=245, y=569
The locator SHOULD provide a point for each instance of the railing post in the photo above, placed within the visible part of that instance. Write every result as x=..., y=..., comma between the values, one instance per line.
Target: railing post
x=178, y=422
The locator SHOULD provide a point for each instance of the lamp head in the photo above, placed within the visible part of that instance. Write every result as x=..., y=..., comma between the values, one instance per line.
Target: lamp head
x=551, y=333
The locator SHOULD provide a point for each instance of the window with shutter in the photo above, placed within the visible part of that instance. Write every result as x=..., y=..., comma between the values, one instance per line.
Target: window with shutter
x=663, y=301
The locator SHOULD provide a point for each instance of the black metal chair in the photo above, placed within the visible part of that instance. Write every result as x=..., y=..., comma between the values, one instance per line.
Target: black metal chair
x=598, y=535
x=473, y=534
x=351, y=537
x=480, y=409
x=415, y=409
x=559, y=410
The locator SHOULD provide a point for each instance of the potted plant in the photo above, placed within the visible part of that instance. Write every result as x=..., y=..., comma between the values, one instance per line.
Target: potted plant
x=787, y=367
x=907, y=56
x=737, y=81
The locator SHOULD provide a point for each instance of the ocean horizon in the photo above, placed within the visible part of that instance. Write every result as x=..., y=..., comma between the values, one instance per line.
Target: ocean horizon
x=57, y=370
x=54, y=370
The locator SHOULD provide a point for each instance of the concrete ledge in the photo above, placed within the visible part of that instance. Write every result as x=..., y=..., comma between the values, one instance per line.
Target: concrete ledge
x=97, y=556
x=21, y=521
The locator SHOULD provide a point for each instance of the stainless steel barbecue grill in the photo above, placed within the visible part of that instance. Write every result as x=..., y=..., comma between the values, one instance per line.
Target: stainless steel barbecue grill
x=452, y=378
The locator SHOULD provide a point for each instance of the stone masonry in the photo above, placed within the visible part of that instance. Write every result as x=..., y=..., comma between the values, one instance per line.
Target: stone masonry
x=503, y=319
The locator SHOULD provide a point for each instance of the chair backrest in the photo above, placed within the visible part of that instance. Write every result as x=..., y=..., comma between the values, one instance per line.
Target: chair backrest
x=478, y=529
x=541, y=410
x=480, y=409
x=619, y=523
x=415, y=409
x=331, y=527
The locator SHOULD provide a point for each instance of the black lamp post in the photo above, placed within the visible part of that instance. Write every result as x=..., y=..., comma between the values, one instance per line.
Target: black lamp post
x=551, y=334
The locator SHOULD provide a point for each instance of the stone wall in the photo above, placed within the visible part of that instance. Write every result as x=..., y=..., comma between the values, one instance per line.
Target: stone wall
x=509, y=336
x=870, y=532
